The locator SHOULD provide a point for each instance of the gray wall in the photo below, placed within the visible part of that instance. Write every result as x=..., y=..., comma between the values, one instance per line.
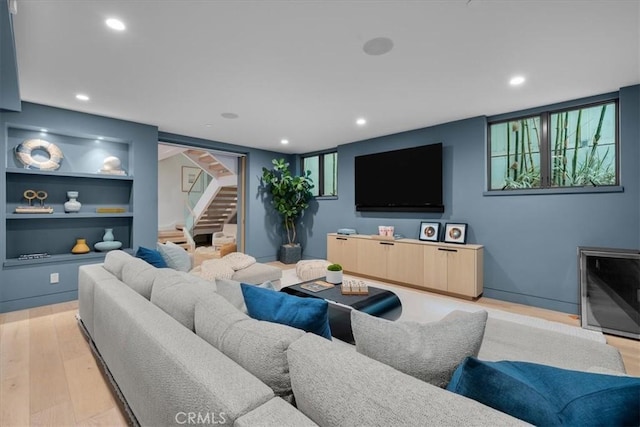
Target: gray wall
x=529, y=241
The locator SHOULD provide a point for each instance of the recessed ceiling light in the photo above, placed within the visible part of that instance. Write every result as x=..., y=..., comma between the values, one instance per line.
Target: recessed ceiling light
x=284, y=141
x=115, y=24
x=82, y=97
x=101, y=138
x=43, y=130
x=361, y=121
x=516, y=80
x=208, y=125
x=229, y=115
x=378, y=46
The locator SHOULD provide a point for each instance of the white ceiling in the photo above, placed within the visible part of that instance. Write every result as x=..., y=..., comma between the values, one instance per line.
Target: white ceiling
x=296, y=69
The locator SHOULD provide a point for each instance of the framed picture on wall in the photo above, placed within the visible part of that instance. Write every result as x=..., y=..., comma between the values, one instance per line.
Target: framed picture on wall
x=429, y=231
x=455, y=233
x=189, y=179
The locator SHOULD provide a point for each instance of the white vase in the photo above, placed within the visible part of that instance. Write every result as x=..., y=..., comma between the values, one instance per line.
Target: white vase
x=72, y=206
x=108, y=235
x=334, y=277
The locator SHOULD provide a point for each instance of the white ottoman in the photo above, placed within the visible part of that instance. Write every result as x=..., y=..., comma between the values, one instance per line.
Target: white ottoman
x=310, y=269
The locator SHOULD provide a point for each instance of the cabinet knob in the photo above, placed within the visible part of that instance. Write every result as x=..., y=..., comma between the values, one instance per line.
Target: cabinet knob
x=341, y=238
x=387, y=243
x=447, y=250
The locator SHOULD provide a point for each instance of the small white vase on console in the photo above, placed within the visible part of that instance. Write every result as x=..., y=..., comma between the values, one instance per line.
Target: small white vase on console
x=73, y=205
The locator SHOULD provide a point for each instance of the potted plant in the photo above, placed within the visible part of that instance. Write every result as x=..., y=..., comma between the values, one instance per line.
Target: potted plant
x=290, y=196
x=334, y=274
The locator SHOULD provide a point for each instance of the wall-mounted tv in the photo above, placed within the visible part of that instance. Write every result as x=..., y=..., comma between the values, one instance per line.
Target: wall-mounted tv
x=408, y=180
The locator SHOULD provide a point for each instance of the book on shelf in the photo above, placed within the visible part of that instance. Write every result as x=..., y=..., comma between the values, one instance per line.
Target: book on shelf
x=23, y=257
x=110, y=210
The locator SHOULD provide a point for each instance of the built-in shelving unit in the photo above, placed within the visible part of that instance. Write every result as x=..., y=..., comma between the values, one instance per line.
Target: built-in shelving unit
x=56, y=233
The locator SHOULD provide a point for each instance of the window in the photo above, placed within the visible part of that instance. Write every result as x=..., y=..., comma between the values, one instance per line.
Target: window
x=324, y=172
x=556, y=149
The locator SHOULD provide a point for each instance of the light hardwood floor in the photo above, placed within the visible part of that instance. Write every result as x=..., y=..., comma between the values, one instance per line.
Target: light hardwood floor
x=49, y=377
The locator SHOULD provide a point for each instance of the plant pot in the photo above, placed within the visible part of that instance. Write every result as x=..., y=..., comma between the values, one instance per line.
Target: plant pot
x=290, y=254
x=334, y=277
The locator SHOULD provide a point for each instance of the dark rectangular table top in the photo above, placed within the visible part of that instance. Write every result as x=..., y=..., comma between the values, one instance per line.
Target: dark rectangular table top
x=380, y=303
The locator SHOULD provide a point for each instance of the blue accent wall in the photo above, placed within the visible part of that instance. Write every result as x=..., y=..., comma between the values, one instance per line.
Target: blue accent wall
x=530, y=241
x=28, y=286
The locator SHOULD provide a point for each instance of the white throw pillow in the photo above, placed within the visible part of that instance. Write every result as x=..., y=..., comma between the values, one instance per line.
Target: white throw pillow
x=212, y=269
x=430, y=352
x=238, y=260
x=175, y=256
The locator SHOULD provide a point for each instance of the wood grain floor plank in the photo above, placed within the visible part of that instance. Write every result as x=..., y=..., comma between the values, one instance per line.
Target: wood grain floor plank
x=110, y=418
x=48, y=383
x=14, y=345
x=89, y=391
x=14, y=401
x=60, y=415
x=70, y=339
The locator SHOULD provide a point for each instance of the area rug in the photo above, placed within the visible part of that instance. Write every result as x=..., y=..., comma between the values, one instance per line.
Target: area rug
x=421, y=307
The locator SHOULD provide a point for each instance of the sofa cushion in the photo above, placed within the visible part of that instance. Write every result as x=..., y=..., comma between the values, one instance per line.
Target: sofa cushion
x=151, y=256
x=238, y=260
x=163, y=370
x=545, y=395
x=308, y=314
x=257, y=273
x=139, y=276
x=428, y=351
x=275, y=412
x=114, y=261
x=176, y=293
x=175, y=256
x=257, y=346
x=335, y=386
x=231, y=291
x=536, y=345
x=212, y=269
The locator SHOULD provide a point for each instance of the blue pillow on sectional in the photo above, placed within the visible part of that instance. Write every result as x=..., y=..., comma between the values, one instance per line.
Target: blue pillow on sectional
x=151, y=256
x=308, y=314
x=545, y=395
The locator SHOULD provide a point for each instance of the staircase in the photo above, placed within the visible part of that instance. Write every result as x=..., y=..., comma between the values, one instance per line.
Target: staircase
x=176, y=236
x=221, y=209
x=208, y=163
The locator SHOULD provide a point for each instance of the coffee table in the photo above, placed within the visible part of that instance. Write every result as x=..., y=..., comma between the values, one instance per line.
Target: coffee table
x=380, y=303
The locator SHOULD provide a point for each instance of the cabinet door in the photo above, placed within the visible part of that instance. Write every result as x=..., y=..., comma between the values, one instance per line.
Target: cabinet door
x=405, y=263
x=343, y=251
x=435, y=268
x=461, y=272
x=372, y=258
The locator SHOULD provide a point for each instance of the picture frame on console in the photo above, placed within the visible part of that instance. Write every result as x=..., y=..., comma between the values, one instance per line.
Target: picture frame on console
x=429, y=231
x=455, y=233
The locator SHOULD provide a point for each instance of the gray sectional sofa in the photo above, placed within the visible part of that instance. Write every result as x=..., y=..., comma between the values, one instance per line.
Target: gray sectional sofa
x=181, y=351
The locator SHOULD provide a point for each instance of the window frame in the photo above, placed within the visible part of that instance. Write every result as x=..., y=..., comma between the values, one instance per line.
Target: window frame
x=546, y=168
x=320, y=183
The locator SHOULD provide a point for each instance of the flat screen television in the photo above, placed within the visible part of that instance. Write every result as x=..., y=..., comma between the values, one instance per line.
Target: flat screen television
x=408, y=180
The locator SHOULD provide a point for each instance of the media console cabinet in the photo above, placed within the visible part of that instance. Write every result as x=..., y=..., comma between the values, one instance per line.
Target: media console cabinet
x=434, y=266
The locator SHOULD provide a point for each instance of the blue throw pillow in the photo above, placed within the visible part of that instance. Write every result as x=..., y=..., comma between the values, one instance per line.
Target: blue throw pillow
x=308, y=314
x=151, y=256
x=545, y=395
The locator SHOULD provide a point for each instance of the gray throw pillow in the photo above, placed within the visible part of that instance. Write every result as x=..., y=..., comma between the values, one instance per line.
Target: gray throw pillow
x=428, y=351
x=230, y=289
x=259, y=347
